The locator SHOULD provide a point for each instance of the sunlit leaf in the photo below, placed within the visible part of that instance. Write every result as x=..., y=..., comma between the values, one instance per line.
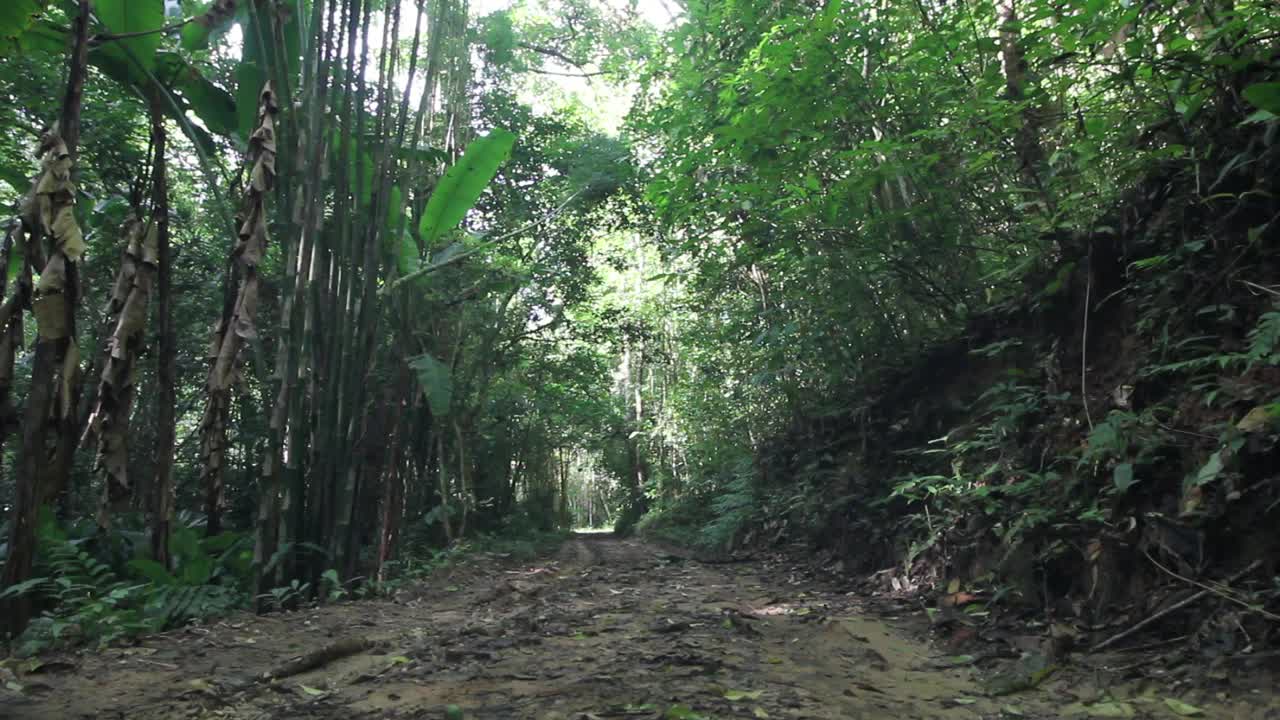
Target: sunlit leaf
x=139, y=19
x=464, y=183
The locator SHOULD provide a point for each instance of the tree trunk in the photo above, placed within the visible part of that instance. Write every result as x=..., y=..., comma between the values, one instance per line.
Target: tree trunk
x=444, y=489
x=1027, y=138
x=393, y=491
x=162, y=497
x=15, y=300
x=50, y=403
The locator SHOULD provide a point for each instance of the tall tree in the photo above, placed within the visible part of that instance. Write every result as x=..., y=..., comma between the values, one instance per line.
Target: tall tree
x=42, y=470
x=162, y=487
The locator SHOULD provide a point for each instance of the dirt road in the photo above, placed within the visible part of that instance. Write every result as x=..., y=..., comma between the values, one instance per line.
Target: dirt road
x=608, y=628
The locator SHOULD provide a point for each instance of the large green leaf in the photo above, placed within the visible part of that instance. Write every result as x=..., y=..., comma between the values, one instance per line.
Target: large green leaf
x=44, y=36
x=255, y=63
x=130, y=17
x=436, y=380
x=153, y=571
x=213, y=19
x=1264, y=96
x=251, y=75
x=214, y=106
x=406, y=254
x=463, y=183
x=16, y=17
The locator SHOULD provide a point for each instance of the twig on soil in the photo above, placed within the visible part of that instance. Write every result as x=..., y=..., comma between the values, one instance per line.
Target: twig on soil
x=1174, y=607
x=325, y=655
x=1216, y=591
x=157, y=663
x=1155, y=645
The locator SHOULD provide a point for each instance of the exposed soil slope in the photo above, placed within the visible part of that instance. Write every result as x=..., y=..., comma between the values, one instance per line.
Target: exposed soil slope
x=608, y=628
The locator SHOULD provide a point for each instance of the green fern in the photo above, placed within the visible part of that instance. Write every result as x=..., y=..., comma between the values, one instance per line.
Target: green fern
x=1264, y=341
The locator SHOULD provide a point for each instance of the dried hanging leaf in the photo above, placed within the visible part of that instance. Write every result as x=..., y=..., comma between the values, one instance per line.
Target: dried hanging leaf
x=66, y=232
x=150, y=245
x=70, y=380
x=51, y=315
x=231, y=331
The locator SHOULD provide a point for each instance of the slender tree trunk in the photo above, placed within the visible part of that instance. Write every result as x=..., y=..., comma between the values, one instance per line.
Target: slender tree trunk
x=162, y=497
x=464, y=491
x=564, y=491
x=393, y=490
x=50, y=404
x=1027, y=139
x=15, y=301
x=444, y=489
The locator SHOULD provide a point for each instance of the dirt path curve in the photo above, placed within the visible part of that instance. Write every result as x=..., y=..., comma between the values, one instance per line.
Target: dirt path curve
x=609, y=628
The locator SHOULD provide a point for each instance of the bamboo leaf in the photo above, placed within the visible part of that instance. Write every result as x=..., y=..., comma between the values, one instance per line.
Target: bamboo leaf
x=463, y=183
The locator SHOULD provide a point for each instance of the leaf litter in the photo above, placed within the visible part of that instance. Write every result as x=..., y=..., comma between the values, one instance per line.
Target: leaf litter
x=553, y=641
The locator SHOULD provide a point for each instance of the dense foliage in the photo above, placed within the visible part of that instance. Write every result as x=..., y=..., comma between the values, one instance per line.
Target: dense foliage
x=979, y=289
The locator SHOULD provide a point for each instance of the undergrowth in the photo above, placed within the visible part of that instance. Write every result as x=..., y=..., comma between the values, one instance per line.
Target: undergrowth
x=98, y=588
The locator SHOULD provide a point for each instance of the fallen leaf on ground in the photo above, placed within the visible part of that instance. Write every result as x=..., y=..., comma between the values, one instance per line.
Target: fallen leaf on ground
x=1183, y=709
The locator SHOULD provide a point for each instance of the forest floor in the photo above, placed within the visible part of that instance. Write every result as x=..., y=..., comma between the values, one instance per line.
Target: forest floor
x=606, y=628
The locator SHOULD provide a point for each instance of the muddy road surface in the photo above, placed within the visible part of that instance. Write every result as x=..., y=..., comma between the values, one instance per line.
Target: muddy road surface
x=607, y=628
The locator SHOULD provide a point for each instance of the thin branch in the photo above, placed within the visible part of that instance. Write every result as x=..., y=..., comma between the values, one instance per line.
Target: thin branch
x=1216, y=591
x=109, y=37
x=1263, y=288
x=141, y=33
x=1172, y=608
x=552, y=53
x=572, y=75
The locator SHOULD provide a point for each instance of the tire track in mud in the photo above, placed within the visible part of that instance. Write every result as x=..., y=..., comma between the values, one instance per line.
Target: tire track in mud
x=608, y=628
